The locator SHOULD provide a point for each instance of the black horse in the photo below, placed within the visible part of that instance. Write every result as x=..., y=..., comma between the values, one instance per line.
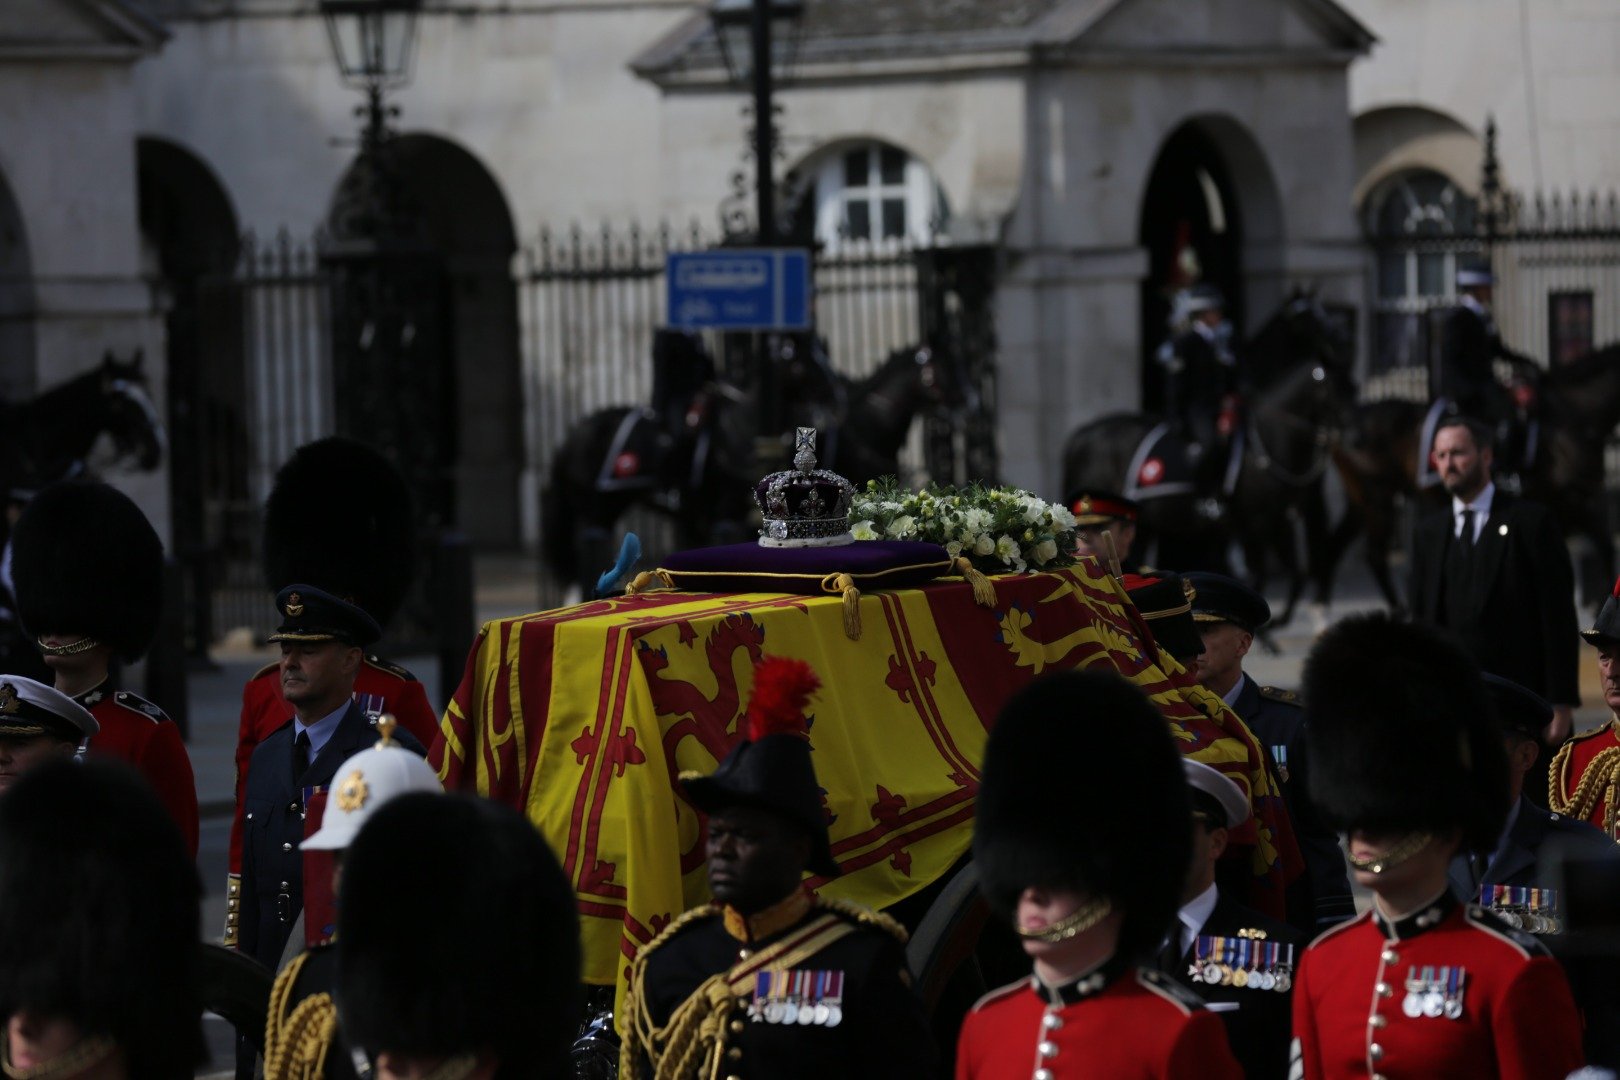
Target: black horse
x=52, y=436
x=704, y=483
x=1298, y=366
x=1577, y=408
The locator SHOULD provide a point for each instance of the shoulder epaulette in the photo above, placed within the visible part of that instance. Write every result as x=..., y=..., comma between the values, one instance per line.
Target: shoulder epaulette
x=1287, y=697
x=1527, y=944
x=274, y=665
x=1602, y=729
x=136, y=703
x=1000, y=992
x=676, y=925
x=1166, y=987
x=393, y=669
x=865, y=916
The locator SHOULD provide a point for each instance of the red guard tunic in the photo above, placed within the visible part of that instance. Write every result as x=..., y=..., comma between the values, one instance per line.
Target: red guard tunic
x=1134, y=1024
x=137, y=731
x=380, y=687
x=1449, y=991
x=1585, y=779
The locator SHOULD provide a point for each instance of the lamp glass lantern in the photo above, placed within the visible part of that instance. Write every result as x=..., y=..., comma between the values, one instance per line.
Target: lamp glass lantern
x=373, y=41
x=733, y=22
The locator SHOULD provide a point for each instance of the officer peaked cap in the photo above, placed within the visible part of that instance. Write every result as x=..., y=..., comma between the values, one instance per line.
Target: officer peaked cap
x=1518, y=708
x=1165, y=602
x=314, y=615
x=1218, y=598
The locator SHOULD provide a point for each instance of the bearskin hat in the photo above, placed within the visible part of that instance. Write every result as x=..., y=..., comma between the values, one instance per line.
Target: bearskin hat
x=340, y=517
x=1403, y=734
x=87, y=561
x=1083, y=789
x=504, y=976
x=99, y=913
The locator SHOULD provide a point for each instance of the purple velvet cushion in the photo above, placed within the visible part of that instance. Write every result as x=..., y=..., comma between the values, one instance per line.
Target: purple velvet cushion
x=872, y=564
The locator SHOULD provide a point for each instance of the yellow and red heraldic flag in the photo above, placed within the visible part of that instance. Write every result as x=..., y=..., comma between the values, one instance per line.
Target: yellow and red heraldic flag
x=583, y=717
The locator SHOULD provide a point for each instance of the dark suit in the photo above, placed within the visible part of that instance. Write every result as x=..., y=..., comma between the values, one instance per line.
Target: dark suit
x=273, y=818
x=1514, y=606
x=1258, y=1027
x=1515, y=862
x=1321, y=897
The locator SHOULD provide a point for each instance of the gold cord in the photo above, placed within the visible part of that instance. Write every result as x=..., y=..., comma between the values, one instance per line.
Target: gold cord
x=645, y=579
x=76, y=1058
x=1072, y=925
x=1389, y=860
x=843, y=583
x=74, y=648
x=984, y=593
x=296, y=1044
x=1601, y=779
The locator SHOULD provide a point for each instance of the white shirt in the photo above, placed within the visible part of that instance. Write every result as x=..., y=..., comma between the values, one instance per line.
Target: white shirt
x=1481, y=506
x=1231, y=696
x=1194, y=914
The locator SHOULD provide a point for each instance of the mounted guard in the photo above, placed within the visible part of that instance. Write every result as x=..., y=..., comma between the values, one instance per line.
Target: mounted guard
x=1470, y=346
x=1201, y=381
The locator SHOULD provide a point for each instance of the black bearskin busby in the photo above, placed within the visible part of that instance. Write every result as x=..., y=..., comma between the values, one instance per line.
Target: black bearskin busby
x=87, y=561
x=457, y=932
x=771, y=768
x=1403, y=734
x=1083, y=789
x=340, y=517
x=99, y=914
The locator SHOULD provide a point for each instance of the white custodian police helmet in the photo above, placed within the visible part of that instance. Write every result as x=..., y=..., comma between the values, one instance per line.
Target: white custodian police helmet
x=366, y=781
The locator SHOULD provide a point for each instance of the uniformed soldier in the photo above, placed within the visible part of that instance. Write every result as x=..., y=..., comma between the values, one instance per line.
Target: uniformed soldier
x=1239, y=961
x=460, y=944
x=1201, y=381
x=100, y=966
x=1166, y=606
x=89, y=572
x=1470, y=344
x=771, y=980
x=1409, y=762
x=1584, y=780
x=38, y=723
x=339, y=517
x=1509, y=879
x=302, y=1041
x=1104, y=520
x=1229, y=614
x=322, y=639
x=1088, y=888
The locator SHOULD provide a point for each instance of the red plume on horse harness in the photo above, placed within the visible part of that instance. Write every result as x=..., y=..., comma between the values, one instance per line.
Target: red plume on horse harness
x=782, y=689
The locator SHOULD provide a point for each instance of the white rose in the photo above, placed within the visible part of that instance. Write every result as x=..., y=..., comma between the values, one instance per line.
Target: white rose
x=1062, y=518
x=1006, y=548
x=1043, y=552
x=902, y=526
x=862, y=530
x=984, y=545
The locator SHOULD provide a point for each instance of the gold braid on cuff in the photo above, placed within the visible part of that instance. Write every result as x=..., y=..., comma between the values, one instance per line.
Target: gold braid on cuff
x=1074, y=924
x=1408, y=847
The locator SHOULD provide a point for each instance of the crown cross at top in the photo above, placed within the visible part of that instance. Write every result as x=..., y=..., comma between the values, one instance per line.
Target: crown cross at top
x=804, y=449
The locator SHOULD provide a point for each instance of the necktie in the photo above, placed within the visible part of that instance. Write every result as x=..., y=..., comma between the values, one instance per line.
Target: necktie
x=300, y=754
x=1467, y=534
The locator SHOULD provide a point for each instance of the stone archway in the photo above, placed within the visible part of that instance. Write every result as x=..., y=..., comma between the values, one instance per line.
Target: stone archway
x=17, y=361
x=468, y=226
x=1210, y=212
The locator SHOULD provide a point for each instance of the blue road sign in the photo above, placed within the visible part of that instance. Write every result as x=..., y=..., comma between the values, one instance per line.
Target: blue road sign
x=739, y=289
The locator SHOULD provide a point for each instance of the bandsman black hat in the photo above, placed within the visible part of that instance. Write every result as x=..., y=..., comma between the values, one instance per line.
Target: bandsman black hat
x=1094, y=506
x=1030, y=830
x=99, y=917
x=458, y=934
x=1403, y=735
x=1518, y=708
x=771, y=769
x=313, y=615
x=29, y=708
x=1606, y=627
x=87, y=561
x=1218, y=598
x=340, y=517
x=1165, y=601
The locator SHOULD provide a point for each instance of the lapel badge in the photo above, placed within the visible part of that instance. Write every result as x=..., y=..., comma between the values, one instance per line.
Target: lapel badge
x=352, y=793
x=8, y=699
x=295, y=606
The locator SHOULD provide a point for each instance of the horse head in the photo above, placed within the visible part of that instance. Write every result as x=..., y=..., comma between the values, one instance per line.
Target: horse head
x=126, y=410
x=943, y=378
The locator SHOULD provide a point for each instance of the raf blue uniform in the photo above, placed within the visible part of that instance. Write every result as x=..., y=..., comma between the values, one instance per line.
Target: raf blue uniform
x=273, y=819
x=1515, y=860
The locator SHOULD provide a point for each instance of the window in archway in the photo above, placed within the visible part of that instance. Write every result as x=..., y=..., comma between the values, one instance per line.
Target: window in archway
x=1421, y=223
x=875, y=193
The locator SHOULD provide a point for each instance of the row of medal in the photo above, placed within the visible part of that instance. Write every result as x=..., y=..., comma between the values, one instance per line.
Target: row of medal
x=799, y=996
x=1524, y=908
x=1243, y=962
x=1435, y=992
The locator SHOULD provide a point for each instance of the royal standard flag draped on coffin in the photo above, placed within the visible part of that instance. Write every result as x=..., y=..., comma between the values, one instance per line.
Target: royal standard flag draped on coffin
x=583, y=717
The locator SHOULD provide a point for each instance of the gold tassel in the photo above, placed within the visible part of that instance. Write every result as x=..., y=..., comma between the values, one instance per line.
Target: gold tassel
x=843, y=583
x=984, y=592
x=645, y=579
